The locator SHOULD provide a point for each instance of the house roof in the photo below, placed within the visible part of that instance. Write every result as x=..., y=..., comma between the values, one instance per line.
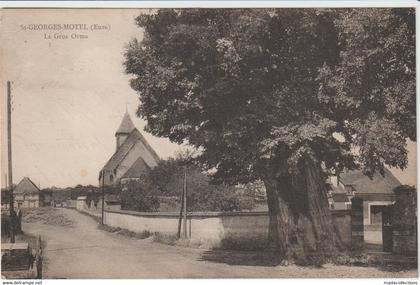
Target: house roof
x=125, y=148
x=363, y=184
x=137, y=169
x=126, y=126
x=26, y=186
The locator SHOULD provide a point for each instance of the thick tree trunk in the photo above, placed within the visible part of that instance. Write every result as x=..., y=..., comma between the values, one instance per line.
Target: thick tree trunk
x=301, y=227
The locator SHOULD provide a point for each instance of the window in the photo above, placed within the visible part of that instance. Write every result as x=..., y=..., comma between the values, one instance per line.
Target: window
x=111, y=178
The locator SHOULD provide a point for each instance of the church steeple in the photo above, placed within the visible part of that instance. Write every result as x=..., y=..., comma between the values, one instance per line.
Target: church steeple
x=126, y=127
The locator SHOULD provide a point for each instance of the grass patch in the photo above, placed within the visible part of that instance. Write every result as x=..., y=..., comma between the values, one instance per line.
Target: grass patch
x=156, y=237
x=165, y=239
x=125, y=232
x=349, y=258
x=391, y=263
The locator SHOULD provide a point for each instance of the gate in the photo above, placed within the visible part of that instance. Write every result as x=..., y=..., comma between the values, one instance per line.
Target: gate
x=387, y=229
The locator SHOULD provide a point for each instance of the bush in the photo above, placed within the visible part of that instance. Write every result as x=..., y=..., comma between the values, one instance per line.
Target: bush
x=218, y=198
x=139, y=197
x=125, y=232
x=167, y=179
x=165, y=239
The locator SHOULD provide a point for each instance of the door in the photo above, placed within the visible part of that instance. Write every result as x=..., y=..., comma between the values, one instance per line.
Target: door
x=387, y=229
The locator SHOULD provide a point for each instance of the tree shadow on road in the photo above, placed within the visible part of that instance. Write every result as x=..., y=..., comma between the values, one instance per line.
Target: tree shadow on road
x=247, y=258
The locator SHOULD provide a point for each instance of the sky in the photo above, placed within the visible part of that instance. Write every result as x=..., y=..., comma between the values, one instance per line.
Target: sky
x=69, y=95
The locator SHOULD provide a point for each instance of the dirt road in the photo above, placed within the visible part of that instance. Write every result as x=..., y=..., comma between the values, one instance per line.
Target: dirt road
x=83, y=251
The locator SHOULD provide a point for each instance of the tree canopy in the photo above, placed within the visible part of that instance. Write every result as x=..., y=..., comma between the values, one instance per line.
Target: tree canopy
x=287, y=96
x=252, y=86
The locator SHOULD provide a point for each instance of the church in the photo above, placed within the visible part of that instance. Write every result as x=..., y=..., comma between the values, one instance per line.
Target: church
x=133, y=156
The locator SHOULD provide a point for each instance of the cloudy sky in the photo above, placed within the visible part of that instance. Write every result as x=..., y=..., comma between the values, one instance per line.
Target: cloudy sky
x=69, y=95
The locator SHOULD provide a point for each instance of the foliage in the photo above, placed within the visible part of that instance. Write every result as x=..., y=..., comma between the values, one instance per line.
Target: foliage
x=258, y=89
x=165, y=238
x=125, y=232
x=223, y=198
x=168, y=179
x=372, y=89
x=5, y=196
x=138, y=196
x=63, y=194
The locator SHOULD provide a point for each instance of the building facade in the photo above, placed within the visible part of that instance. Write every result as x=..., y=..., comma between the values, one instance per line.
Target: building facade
x=133, y=156
x=27, y=195
x=377, y=193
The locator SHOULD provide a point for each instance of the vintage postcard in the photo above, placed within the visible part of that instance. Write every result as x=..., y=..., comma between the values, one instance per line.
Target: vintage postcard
x=208, y=143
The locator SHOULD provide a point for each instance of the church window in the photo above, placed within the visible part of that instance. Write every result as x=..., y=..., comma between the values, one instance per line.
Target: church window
x=111, y=178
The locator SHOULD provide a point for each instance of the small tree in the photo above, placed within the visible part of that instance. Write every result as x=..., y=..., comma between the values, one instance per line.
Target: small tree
x=167, y=179
x=139, y=197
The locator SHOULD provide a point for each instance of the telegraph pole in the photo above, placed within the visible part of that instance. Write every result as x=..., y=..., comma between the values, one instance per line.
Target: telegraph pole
x=6, y=185
x=181, y=213
x=103, y=195
x=185, y=202
x=9, y=154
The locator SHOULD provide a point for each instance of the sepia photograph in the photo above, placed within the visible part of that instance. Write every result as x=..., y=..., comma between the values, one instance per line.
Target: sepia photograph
x=141, y=143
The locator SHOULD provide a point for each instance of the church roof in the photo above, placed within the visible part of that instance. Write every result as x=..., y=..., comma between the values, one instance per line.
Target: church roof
x=363, y=184
x=126, y=125
x=26, y=186
x=137, y=169
x=125, y=148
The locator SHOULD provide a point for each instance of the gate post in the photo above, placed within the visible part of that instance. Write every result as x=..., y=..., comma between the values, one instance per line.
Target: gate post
x=357, y=228
x=404, y=221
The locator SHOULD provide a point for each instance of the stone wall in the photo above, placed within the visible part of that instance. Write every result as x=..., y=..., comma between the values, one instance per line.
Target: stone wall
x=210, y=229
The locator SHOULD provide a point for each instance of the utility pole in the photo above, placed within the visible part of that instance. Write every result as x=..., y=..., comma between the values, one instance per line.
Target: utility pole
x=103, y=195
x=9, y=154
x=185, y=202
x=6, y=185
x=181, y=213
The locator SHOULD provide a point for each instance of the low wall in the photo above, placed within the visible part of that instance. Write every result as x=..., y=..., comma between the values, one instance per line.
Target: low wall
x=210, y=229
